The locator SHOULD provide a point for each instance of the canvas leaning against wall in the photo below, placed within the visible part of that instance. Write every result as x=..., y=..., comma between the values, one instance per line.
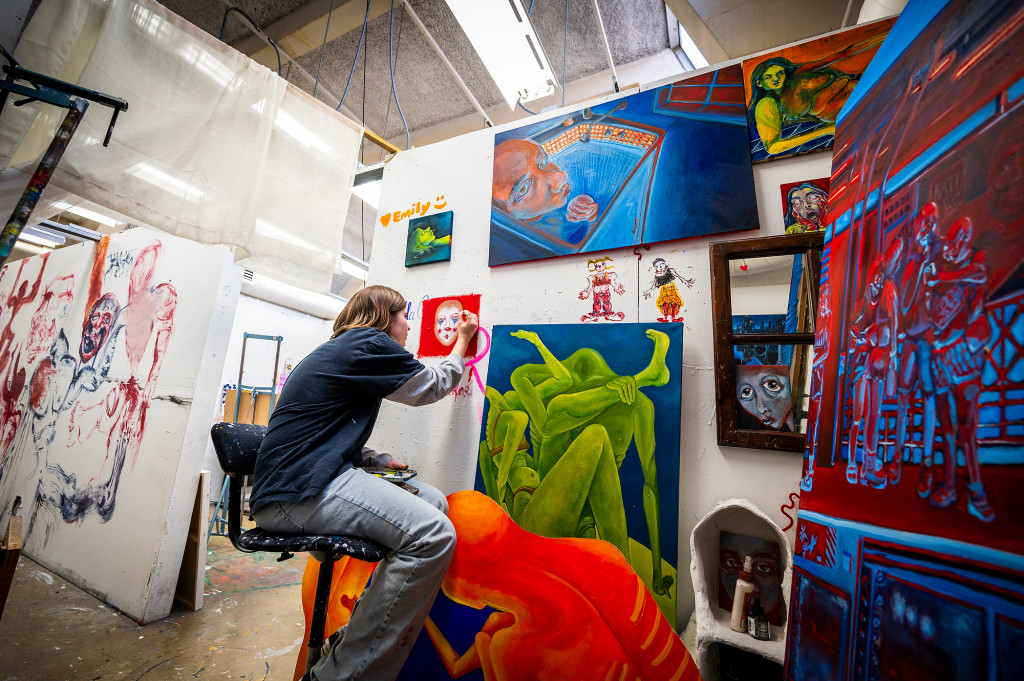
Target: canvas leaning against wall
x=102, y=351
x=668, y=163
x=794, y=95
x=909, y=559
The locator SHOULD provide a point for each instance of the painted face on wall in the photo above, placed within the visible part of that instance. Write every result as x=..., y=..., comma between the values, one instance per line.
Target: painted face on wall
x=446, y=321
x=660, y=267
x=808, y=206
x=102, y=317
x=764, y=392
x=525, y=183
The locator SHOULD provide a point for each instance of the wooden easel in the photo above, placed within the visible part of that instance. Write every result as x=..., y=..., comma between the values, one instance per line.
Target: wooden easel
x=10, y=551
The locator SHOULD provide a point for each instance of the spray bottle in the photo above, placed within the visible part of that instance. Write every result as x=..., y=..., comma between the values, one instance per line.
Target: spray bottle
x=741, y=597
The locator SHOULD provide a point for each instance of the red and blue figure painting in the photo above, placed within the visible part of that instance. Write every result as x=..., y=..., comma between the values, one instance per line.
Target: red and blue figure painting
x=669, y=163
x=915, y=460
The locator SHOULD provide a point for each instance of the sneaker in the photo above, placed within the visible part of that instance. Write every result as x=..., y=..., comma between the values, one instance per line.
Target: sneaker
x=977, y=504
x=332, y=640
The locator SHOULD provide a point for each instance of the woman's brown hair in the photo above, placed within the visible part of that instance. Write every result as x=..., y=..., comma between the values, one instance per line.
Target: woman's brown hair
x=372, y=306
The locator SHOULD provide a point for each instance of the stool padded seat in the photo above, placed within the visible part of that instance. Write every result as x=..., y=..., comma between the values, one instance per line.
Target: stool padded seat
x=258, y=539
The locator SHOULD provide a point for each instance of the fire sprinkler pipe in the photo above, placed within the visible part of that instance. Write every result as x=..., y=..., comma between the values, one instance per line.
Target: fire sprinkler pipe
x=441, y=54
x=607, y=49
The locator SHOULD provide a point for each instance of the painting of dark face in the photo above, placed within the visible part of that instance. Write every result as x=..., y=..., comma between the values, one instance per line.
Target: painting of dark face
x=97, y=328
x=766, y=572
x=764, y=392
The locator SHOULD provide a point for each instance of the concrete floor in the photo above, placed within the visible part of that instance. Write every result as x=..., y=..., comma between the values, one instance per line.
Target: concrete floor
x=250, y=627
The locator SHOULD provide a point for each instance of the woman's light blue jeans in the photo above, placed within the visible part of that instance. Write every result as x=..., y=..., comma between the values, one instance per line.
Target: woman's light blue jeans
x=392, y=610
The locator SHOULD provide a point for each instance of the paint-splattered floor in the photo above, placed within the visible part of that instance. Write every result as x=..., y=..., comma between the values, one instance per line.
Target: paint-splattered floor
x=250, y=627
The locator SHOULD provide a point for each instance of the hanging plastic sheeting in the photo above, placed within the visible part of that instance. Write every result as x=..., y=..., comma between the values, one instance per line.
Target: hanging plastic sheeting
x=213, y=147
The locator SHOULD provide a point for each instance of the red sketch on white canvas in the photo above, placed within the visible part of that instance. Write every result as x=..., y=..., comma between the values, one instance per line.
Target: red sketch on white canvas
x=601, y=281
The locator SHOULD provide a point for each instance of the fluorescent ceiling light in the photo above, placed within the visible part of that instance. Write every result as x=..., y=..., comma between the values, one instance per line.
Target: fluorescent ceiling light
x=690, y=48
x=86, y=213
x=275, y=232
x=289, y=125
x=167, y=182
x=503, y=37
x=369, y=192
x=38, y=241
x=354, y=266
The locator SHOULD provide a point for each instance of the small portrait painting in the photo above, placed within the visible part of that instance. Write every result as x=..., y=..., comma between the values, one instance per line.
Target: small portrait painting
x=805, y=205
x=766, y=572
x=430, y=239
x=439, y=324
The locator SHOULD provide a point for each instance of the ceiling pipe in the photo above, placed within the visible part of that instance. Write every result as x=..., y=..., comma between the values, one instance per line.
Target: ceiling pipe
x=607, y=49
x=441, y=54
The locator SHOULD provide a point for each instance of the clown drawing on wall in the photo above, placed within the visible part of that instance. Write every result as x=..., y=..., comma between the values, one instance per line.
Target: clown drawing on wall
x=668, y=301
x=601, y=281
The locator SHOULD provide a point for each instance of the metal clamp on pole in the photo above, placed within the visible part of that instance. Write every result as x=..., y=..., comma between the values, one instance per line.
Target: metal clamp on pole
x=43, y=88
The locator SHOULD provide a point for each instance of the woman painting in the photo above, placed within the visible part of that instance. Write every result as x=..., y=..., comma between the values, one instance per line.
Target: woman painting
x=308, y=477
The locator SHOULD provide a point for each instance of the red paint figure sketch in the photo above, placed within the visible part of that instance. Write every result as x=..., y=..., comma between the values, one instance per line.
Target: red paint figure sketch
x=601, y=281
x=439, y=324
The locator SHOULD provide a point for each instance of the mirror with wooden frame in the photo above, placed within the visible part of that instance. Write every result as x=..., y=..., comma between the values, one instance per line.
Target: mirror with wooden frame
x=764, y=301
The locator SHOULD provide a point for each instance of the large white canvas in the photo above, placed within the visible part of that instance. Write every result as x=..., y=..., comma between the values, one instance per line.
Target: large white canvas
x=103, y=439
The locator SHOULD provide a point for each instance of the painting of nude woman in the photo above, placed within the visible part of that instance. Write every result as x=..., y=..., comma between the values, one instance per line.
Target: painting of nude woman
x=581, y=439
x=794, y=95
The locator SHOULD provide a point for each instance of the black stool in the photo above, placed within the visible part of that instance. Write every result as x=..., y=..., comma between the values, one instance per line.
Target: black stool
x=237, y=445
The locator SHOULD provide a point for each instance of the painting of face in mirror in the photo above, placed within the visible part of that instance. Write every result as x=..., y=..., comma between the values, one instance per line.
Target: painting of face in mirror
x=765, y=397
x=764, y=300
x=766, y=572
x=439, y=324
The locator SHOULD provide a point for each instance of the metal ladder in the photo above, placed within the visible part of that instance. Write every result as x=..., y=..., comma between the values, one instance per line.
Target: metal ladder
x=219, y=521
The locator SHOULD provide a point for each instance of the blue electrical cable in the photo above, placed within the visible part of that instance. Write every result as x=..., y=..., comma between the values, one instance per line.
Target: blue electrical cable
x=565, y=44
x=520, y=104
x=359, y=49
x=323, y=48
x=530, y=11
x=391, y=63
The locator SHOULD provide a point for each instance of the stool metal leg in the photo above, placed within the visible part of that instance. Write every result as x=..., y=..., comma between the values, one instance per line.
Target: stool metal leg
x=220, y=516
x=319, y=619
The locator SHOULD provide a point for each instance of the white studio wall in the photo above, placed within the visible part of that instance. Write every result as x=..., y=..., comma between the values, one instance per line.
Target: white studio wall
x=442, y=441
x=301, y=334
x=111, y=357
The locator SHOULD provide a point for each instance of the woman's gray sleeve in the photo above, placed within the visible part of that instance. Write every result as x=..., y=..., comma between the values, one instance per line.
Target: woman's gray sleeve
x=369, y=457
x=431, y=384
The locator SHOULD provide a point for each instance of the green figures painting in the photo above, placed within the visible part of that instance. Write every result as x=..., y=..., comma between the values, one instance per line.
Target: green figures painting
x=580, y=438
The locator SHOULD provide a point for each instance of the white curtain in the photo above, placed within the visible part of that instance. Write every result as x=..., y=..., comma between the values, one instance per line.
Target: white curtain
x=213, y=147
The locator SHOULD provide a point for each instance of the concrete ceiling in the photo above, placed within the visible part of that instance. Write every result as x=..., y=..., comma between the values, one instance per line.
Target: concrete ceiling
x=640, y=36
